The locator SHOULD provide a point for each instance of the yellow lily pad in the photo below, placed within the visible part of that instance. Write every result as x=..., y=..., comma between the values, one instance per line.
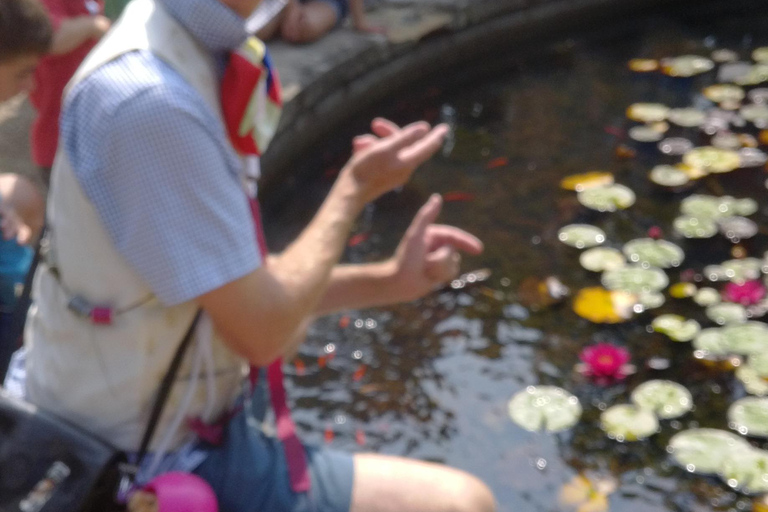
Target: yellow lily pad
x=712, y=159
x=647, y=112
x=580, y=182
x=602, y=306
x=643, y=65
x=724, y=92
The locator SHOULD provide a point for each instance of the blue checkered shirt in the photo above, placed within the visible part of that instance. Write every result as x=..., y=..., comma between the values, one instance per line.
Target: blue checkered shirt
x=155, y=162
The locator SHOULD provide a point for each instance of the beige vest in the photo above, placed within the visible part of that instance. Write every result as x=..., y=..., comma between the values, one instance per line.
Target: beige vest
x=104, y=378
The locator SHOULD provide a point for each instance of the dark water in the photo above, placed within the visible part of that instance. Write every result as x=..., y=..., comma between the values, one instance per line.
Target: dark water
x=437, y=374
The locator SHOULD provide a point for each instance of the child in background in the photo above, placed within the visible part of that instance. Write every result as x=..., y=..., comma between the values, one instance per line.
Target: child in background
x=78, y=25
x=306, y=21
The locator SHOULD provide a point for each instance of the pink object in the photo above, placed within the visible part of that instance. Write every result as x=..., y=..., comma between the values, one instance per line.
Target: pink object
x=183, y=492
x=655, y=232
x=605, y=362
x=101, y=316
x=746, y=294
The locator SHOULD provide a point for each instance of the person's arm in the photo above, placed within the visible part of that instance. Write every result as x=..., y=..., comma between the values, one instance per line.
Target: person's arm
x=259, y=313
x=72, y=32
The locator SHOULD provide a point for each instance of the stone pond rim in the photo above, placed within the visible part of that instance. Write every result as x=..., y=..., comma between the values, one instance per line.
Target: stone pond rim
x=347, y=73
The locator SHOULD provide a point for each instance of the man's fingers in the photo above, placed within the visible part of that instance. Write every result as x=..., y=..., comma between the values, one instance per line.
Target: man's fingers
x=442, y=265
x=404, y=138
x=425, y=216
x=422, y=150
x=440, y=234
x=362, y=142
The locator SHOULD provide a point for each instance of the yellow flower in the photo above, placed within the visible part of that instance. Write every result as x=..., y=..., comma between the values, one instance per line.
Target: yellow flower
x=580, y=182
x=583, y=495
x=602, y=306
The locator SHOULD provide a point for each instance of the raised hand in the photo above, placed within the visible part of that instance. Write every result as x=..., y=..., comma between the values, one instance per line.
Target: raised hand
x=12, y=226
x=429, y=254
x=386, y=159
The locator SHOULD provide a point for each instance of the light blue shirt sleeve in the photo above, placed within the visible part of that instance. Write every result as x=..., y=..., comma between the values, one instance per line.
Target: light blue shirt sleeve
x=153, y=160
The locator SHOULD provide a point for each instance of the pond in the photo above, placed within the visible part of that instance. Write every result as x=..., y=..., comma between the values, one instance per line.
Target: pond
x=433, y=379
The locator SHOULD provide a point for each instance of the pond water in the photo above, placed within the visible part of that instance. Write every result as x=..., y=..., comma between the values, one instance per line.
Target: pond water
x=432, y=379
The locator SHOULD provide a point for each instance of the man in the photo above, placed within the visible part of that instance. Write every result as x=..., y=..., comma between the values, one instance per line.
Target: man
x=148, y=223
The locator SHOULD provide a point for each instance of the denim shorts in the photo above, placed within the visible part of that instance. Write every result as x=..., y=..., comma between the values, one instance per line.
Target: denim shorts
x=249, y=473
x=340, y=6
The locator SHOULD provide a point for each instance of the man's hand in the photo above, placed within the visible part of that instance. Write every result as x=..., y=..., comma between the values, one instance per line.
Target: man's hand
x=386, y=159
x=12, y=226
x=429, y=254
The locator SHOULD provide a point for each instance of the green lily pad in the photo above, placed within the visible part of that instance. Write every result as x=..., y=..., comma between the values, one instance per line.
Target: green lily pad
x=746, y=471
x=711, y=342
x=635, y=279
x=720, y=93
x=695, y=227
x=547, y=408
x=664, y=398
x=650, y=300
x=676, y=327
x=704, y=450
x=753, y=383
x=607, y=199
x=686, y=65
x=712, y=159
x=749, y=416
x=628, y=423
x=646, y=133
x=581, y=235
x=737, y=228
x=714, y=207
x=746, y=338
x=760, y=54
x=758, y=361
x=755, y=75
x=727, y=313
x=668, y=176
x=707, y=296
x=754, y=113
x=656, y=253
x=737, y=271
x=687, y=117
x=599, y=259
x=647, y=112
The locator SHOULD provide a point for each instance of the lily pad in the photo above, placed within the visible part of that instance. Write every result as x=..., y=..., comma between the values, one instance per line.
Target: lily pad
x=579, y=182
x=686, y=65
x=646, y=133
x=724, y=55
x=635, y=279
x=759, y=362
x=650, y=300
x=707, y=296
x=687, y=117
x=656, y=253
x=753, y=383
x=581, y=235
x=668, y=176
x=749, y=416
x=676, y=327
x=607, y=199
x=628, y=422
x=700, y=205
x=711, y=343
x=726, y=140
x=643, y=65
x=712, y=159
x=682, y=290
x=675, y=146
x=695, y=227
x=753, y=75
x=727, y=313
x=756, y=114
x=747, y=471
x=724, y=92
x=547, y=408
x=647, y=112
x=664, y=398
x=760, y=54
x=599, y=259
x=745, y=338
x=752, y=157
x=737, y=228
x=704, y=450
x=738, y=271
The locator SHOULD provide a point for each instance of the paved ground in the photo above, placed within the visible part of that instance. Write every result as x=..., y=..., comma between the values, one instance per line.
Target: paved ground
x=325, y=81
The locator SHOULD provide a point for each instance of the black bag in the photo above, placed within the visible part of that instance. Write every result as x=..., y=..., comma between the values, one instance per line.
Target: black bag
x=50, y=465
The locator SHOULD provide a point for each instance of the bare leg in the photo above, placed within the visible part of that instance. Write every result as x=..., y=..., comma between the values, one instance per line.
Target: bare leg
x=24, y=197
x=308, y=22
x=392, y=484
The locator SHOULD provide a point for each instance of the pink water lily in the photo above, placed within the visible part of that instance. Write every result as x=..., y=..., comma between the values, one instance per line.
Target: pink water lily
x=746, y=294
x=605, y=363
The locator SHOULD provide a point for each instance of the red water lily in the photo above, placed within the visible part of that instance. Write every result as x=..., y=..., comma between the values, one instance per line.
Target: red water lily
x=746, y=294
x=605, y=363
